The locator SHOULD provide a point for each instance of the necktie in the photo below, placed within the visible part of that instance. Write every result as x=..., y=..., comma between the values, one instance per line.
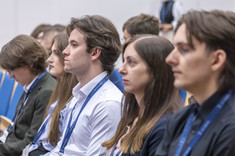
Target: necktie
x=19, y=109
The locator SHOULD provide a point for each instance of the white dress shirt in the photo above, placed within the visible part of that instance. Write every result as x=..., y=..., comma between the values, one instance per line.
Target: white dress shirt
x=177, y=12
x=97, y=122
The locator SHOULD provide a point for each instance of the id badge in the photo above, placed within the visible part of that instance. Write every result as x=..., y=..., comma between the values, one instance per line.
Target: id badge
x=3, y=136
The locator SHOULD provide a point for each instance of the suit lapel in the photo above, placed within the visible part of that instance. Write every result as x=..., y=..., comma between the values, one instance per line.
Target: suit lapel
x=21, y=108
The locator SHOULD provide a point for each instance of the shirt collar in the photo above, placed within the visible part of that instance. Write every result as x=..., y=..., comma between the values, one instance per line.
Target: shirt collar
x=26, y=88
x=209, y=104
x=86, y=89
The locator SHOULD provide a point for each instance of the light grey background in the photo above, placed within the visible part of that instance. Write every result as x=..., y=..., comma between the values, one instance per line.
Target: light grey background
x=22, y=16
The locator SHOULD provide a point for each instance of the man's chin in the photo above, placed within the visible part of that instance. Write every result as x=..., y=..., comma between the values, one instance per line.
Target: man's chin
x=67, y=70
x=22, y=84
x=178, y=85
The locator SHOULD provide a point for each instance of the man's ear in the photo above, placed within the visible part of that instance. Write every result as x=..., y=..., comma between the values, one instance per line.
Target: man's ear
x=29, y=66
x=218, y=59
x=95, y=53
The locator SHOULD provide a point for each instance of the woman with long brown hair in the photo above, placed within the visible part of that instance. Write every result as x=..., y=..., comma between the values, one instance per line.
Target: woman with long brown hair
x=150, y=97
x=51, y=129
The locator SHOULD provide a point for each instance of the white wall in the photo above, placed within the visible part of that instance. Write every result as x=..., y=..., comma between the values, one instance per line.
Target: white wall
x=22, y=16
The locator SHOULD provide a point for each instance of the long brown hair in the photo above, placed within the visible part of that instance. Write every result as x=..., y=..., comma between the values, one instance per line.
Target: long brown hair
x=160, y=94
x=62, y=92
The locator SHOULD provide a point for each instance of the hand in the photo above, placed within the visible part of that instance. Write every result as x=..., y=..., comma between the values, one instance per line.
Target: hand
x=166, y=27
x=1, y=132
x=3, y=135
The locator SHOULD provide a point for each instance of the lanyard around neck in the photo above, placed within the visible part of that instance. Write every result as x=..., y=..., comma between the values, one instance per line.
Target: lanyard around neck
x=41, y=130
x=30, y=90
x=215, y=111
x=70, y=127
x=114, y=148
x=26, y=97
x=34, y=85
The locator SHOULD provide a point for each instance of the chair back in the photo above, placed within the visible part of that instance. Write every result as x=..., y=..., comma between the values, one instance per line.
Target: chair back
x=116, y=78
x=16, y=94
x=5, y=93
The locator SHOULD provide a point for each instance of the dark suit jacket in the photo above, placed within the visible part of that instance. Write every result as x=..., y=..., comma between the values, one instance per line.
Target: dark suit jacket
x=153, y=138
x=30, y=118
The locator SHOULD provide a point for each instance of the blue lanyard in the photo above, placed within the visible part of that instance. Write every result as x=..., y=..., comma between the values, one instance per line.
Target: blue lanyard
x=112, y=153
x=70, y=127
x=33, y=85
x=165, y=10
x=26, y=96
x=31, y=88
x=39, y=133
x=203, y=128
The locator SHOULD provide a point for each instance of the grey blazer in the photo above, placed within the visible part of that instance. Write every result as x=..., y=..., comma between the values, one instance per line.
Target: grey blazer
x=29, y=119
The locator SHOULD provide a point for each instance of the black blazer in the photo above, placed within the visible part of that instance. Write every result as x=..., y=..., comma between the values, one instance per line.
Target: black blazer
x=154, y=137
x=29, y=119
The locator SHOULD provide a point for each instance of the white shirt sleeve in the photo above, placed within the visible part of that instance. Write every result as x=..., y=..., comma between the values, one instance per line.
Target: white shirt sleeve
x=104, y=126
x=177, y=12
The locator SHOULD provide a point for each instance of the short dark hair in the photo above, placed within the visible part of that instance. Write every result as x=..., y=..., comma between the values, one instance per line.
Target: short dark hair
x=142, y=24
x=57, y=28
x=21, y=51
x=40, y=28
x=99, y=32
x=217, y=30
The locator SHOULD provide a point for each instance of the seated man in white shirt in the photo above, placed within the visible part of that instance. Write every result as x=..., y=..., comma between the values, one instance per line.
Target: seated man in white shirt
x=94, y=46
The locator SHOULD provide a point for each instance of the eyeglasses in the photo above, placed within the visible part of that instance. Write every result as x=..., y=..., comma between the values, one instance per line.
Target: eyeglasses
x=126, y=38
